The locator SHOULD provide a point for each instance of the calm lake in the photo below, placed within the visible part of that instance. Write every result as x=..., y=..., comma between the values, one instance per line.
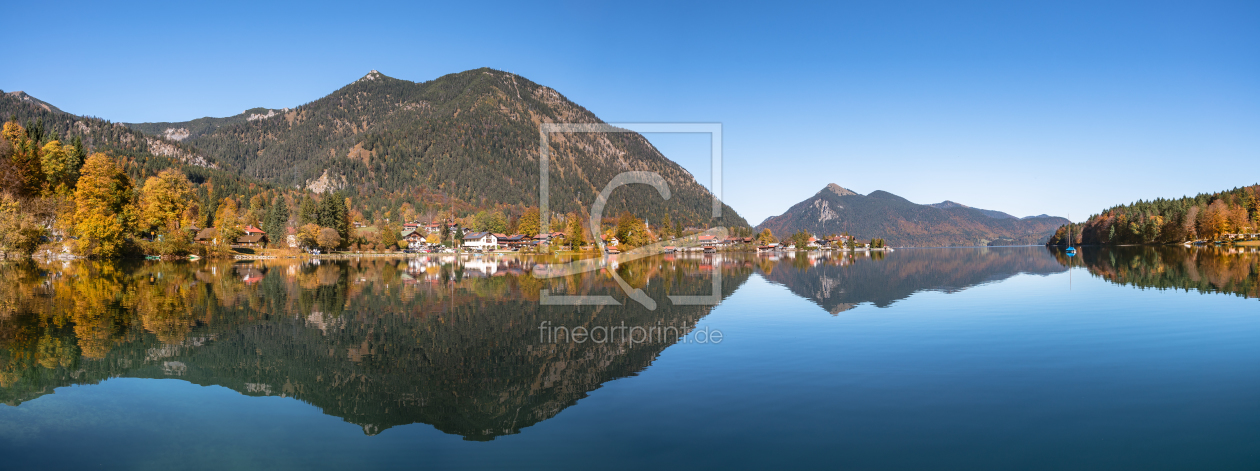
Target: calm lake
x=997, y=358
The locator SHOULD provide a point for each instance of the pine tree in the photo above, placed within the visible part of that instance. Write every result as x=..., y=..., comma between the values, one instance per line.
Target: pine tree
x=276, y=224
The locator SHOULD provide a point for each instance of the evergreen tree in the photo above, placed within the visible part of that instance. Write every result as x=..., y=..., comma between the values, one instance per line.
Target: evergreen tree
x=332, y=213
x=308, y=212
x=276, y=224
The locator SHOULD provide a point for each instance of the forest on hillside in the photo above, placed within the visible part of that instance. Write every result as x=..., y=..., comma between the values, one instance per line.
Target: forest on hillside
x=463, y=142
x=1206, y=216
x=388, y=151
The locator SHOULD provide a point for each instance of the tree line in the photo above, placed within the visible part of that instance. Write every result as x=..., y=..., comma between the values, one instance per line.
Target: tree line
x=1206, y=216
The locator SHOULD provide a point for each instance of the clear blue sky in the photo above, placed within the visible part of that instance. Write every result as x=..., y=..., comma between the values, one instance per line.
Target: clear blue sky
x=1061, y=107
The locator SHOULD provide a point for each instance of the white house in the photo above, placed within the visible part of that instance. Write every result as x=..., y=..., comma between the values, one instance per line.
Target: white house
x=481, y=241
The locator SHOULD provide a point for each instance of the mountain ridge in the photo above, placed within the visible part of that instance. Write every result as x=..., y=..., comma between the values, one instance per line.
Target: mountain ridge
x=900, y=222
x=470, y=136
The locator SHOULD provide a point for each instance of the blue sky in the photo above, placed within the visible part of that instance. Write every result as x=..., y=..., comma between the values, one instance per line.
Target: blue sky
x=1057, y=107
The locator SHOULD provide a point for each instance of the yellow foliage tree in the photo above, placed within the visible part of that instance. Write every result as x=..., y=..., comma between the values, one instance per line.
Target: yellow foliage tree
x=20, y=232
x=14, y=132
x=228, y=222
x=101, y=203
x=164, y=199
x=55, y=161
x=529, y=223
x=306, y=235
x=766, y=237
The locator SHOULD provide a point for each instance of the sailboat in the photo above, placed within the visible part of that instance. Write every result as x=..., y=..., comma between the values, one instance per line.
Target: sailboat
x=1071, y=251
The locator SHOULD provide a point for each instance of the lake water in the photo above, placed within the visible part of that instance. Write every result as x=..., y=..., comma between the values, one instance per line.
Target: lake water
x=1000, y=358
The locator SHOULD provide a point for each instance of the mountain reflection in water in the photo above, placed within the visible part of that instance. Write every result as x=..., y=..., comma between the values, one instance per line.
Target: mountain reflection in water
x=838, y=282
x=452, y=343
x=456, y=343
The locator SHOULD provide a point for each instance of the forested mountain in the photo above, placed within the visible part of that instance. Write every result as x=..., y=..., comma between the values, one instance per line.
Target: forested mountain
x=201, y=126
x=98, y=135
x=471, y=136
x=140, y=155
x=1170, y=221
x=881, y=214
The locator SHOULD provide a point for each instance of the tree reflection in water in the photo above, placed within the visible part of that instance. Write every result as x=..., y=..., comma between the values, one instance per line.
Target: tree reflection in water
x=452, y=343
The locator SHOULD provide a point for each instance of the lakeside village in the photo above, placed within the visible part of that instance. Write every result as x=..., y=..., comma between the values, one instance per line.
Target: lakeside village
x=455, y=237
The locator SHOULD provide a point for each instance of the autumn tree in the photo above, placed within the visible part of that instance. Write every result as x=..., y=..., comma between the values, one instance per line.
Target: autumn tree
x=389, y=235
x=24, y=162
x=528, y=224
x=163, y=201
x=20, y=231
x=1190, y=224
x=1238, y=221
x=766, y=237
x=629, y=229
x=328, y=239
x=308, y=235
x=101, y=202
x=56, y=166
x=1214, y=221
x=576, y=233
x=407, y=213
x=258, y=207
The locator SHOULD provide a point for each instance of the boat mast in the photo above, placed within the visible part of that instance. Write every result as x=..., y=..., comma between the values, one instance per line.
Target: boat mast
x=1069, y=230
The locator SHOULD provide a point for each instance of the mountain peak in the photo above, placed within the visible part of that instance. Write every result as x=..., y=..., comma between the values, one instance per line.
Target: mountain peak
x=371, y=75
x=838, y=190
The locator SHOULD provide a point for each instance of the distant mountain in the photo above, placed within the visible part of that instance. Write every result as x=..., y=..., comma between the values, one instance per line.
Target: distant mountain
x=947, y=204
x=472, y=136
x=900, y=222
x=202, y=126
